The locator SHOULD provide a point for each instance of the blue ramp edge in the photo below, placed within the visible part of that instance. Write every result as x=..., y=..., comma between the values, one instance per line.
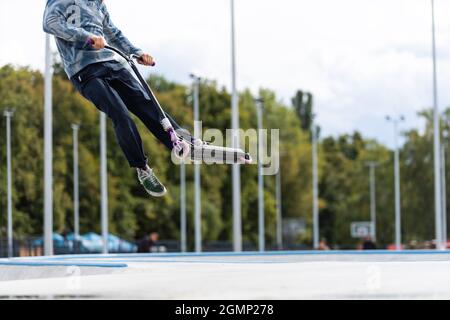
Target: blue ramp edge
x=245, y=254
x=61, y=264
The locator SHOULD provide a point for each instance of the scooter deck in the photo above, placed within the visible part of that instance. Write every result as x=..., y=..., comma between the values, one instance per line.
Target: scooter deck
x=219, y=155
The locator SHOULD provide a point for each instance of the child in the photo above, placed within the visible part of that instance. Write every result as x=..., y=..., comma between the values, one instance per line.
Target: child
x=81, y=29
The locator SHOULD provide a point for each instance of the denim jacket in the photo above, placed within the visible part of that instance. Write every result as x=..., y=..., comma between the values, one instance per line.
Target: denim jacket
x=72, y=22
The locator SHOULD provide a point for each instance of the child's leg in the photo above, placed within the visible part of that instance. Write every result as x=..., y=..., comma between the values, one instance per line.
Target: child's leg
x=100, y=92
x=138, y=102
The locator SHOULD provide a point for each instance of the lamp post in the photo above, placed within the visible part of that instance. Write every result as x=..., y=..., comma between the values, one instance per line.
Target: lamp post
x=48, y=152
x=279, y=209
x=236, y=170
x=373, y=209
x=103, y=182
x=315, y=186
x=183, y=231
x=444, y=198
x=437, y=143
x=261, y=224
x=8, y=114
x=398, y=240
x=197, y=177
x=76, y=201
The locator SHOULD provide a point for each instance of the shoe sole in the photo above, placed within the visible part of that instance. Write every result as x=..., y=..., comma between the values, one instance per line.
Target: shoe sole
x=157, y=195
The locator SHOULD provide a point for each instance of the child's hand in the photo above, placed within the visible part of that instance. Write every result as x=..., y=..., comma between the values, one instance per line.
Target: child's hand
x=146, y=60
x=97, y=42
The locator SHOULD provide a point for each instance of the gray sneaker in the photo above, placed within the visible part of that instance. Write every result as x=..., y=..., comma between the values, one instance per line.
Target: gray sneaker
x=150, y=182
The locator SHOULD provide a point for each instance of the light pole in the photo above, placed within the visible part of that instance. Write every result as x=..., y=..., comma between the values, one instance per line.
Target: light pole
x=315, y=187
x=373, y=209
x=444, y=198
x=279, y=208
x=103, y=182
x=76, y=202
x=261, y=226
x=398, y=240
x=236, y=170
x=197, y=188
x=183, y=206
x=48, y=152
x=437, y=144
x=8, y=114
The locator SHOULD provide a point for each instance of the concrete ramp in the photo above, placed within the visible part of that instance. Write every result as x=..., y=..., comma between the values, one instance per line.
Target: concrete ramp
x=224, y=276
x=11, y=270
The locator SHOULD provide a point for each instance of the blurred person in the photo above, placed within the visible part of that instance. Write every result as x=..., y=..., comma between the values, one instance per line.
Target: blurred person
x=150, y=243
x=433, y=244
x=368, y=244
x=82, y=29
x=66, y=233
x=153, y=241
x=147, y=242
x=429, y=245
x=323, y=245
x=413, y=245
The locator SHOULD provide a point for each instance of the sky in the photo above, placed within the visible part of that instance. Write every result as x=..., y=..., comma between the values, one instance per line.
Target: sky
x=361, y=59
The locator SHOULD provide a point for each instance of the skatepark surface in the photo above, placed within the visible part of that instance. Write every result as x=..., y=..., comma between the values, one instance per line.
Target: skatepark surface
x=225, y=276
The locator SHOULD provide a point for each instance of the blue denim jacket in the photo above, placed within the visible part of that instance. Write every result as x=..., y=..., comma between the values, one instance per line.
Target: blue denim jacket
x=72, y=22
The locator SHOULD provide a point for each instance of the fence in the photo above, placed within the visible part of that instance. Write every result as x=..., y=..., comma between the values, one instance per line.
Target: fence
x=21, y=248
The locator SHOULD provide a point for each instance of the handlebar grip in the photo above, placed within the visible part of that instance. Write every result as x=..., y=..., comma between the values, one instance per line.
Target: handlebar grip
x=89, y=41
x=138, y=58
x=152, y=65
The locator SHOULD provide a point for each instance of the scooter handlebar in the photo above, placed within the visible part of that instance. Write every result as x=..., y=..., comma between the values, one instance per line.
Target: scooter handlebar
x=120, y=53
x=136, y=57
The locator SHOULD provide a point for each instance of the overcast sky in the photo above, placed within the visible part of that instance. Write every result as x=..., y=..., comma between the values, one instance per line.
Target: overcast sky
x=362, y=59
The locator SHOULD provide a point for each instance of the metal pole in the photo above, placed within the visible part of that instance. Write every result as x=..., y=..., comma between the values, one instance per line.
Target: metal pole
x=444, y=199
x=373, y=209
x=76, y=202
x=437, y=145
x=183, y=206
x=8, y=115
x=315, y=189
x=261, y=226
x=103, y=182
x=236, y=170
x=398, y=240
x=48, y=152
x=398, y=232
x=279, y=214
x=197, y=188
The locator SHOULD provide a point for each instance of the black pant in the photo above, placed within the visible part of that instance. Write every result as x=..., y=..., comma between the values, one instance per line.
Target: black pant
x=114, y=91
